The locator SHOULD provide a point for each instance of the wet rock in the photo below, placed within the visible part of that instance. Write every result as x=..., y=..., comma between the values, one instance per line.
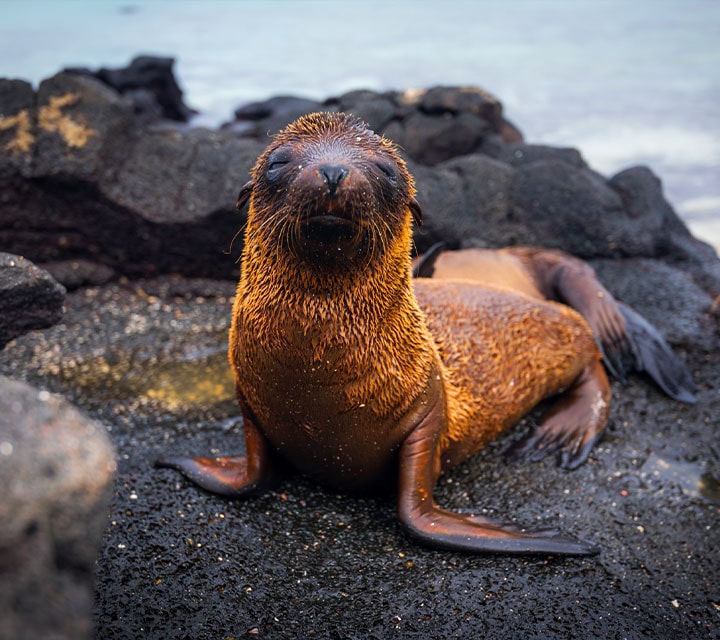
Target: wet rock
x=431, y=125
x=521, y=154
x=375, y=109
x=83, y=127
x=562, y=205
x=79, y=273
x=56, y=470
x=269, y=116
x=463, y=210
x=669, y=297
x=94, y=184
x=430, y=140
x=149, y=83
x=17, y=126
x=31, y=299
x=457, y=100
x=579, y=211
x=644, y=201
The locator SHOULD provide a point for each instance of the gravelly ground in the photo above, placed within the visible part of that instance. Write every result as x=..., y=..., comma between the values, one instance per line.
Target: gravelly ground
x=302, y=562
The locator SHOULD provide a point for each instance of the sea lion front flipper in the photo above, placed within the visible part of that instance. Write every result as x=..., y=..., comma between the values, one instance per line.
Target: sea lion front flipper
x=423, y=519
x=653, y=356
x=230, y=476
x=573, y=424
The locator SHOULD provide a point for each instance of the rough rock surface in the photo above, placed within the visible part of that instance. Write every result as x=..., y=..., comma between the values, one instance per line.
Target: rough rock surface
x=149, y=82
x=82, y=180
x=29, y=297
x=56, y=473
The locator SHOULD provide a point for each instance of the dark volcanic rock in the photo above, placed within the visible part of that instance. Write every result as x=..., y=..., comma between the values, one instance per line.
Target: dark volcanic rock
x=82, y=129
x=459, y=205
x=521, y=154
x=375, y=109
x=17, y=126
x=430, y=140
x=431, y=125
x=79, y=273
x=149, y=83
x=93, y=184
x=56, y=470
x=573, y=208
x=29, y=298
x=473, y=100
x=670, y=298
x=269, y=116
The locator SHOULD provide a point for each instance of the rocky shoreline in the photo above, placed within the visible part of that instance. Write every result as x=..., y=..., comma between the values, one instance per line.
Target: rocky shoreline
x=112, y=196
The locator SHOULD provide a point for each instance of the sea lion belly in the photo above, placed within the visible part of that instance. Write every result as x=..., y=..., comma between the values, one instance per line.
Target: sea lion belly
x=333, y=408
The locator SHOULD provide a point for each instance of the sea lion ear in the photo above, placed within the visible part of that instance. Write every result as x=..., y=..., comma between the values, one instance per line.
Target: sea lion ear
x=416, y=212
x=244, y=194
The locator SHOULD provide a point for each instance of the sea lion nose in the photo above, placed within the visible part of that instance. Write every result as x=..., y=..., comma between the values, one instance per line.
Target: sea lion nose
x=333, y=175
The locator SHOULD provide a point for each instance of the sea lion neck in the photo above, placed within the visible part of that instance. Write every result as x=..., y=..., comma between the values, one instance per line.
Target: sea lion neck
x=291, y=276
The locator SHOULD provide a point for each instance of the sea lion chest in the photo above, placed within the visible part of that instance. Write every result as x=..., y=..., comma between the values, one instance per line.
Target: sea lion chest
x=327, y=392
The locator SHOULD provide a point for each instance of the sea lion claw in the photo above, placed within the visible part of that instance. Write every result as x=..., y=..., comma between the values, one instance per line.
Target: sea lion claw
x=573, y=424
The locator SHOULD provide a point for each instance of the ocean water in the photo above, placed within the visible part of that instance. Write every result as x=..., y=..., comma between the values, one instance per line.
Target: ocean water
x=625, y=82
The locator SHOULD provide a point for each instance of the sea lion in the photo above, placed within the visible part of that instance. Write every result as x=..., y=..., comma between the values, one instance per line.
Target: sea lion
x=627, y=341
x=365, y=379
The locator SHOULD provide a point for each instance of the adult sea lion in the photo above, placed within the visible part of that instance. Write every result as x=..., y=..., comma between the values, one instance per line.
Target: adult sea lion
x=366, y=379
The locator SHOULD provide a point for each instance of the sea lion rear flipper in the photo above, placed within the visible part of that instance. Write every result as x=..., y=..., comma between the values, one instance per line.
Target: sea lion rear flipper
x=652, y=355
x=230, y=476
x=423, y=519
x=573, y=424
x=628, y=342
x=567, y=279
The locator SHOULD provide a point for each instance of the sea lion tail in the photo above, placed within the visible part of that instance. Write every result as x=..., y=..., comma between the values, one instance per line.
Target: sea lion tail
x=650, y=353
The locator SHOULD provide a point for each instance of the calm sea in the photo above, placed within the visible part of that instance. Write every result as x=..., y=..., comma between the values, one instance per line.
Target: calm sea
x=626, y=82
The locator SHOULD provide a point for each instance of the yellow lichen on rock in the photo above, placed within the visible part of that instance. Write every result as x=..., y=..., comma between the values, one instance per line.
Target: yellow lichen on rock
x=24, y=139
x=52, y=119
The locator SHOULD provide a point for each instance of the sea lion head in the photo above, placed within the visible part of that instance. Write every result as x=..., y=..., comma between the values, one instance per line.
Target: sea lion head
x=330, y=191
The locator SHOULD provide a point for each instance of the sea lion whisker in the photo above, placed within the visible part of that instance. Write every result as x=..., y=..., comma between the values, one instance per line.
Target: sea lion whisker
x=228, y=251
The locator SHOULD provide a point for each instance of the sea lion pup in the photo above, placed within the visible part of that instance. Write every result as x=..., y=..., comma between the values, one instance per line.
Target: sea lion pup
x=627, y=341
x=366, y=380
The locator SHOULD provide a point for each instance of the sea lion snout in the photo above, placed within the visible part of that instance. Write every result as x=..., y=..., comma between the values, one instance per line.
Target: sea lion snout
x=333, y=175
